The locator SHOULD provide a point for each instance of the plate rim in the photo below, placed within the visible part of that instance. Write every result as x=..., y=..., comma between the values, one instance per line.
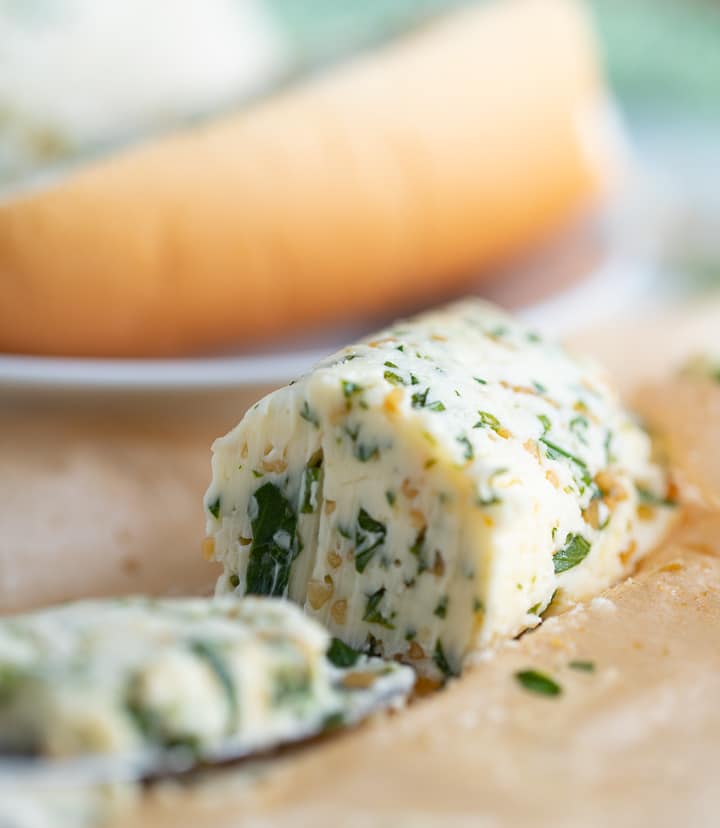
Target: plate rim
x=24, y=372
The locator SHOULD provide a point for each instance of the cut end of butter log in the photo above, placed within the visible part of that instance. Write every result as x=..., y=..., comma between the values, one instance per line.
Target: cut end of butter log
x=431, y=490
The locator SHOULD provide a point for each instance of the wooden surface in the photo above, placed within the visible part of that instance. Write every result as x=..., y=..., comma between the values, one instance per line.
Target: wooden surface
x=636, y=742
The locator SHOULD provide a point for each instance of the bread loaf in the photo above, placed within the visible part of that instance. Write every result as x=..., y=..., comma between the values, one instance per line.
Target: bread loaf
x=395, y=176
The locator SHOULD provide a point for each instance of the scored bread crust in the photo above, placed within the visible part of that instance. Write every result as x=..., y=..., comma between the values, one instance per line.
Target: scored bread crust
x=392, y=177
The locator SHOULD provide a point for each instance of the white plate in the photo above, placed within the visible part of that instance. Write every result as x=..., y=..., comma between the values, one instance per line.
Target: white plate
x=24, y=373
x=274, y=365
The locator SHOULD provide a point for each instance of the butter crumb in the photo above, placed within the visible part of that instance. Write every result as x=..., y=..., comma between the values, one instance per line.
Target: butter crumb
x=602, y=603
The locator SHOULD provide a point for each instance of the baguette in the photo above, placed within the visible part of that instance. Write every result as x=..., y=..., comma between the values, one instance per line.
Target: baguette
x=395, y=176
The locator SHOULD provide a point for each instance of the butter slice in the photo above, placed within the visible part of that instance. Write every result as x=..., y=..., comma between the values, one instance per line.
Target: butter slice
x=139, y=678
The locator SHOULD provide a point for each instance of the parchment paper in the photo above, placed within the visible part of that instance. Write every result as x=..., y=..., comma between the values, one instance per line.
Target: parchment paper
x=108, y=499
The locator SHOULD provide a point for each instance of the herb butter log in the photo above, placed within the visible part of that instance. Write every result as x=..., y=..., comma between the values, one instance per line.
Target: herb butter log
x=429, y=490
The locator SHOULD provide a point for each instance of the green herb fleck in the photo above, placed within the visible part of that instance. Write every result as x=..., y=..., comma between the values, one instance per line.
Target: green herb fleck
x=554, y=452
x=213, y=657
x=537, y=682
x=350, y=389
x=469, y=452
x=574, y=552
x=419, y=398
x=414, y=380
x=441, y=661
x=417, y=549
x=341, y=655
x=291, y=685
x=478, y=605
x=274, y=546
x=481, y=381
x=364, y=452
x=333, y=721
x=234, y=580
x=372, y=611
x=488, y=420
x=441, y=608
x=372, y=646
x=394, y=378
x=391, y=497
x=583, y=666
x=546, y=424
x=410, y=633
x=498, y=331
x=491, y=497
x=539, y=387
x=256, y=473
x=609, y=456
x=579, y=426
x=369, y=535
x=308, y=414
x=352, y=431
x=389, y=364
x=214, y=508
